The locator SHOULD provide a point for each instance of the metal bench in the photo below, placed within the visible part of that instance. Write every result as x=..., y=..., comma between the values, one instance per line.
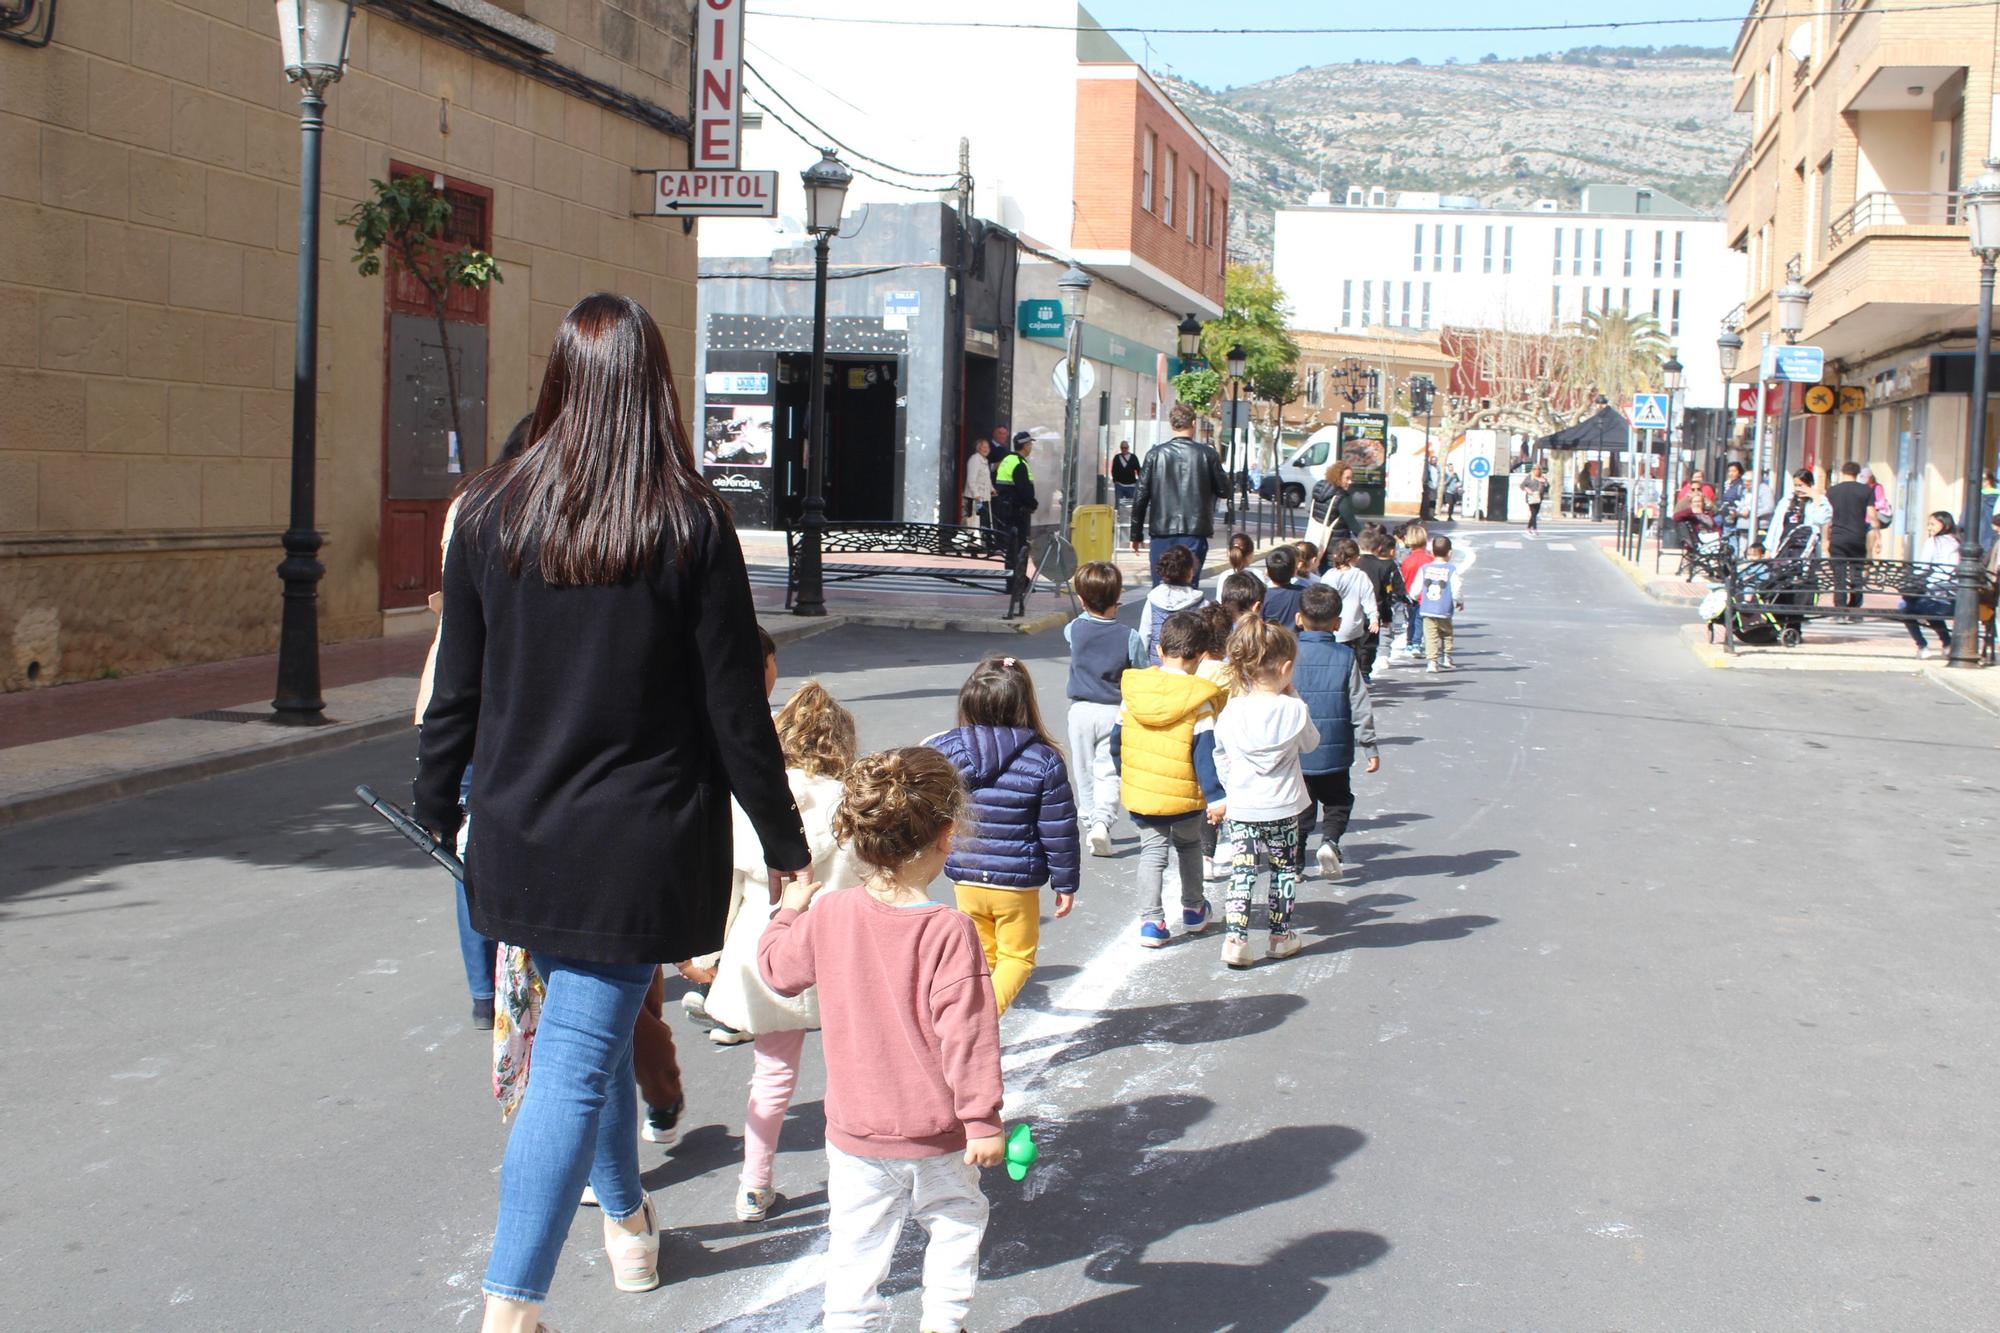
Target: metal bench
x=1794, y=591
x=941, y=541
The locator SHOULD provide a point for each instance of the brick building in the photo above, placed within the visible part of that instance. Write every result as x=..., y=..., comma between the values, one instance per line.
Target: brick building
x=1864, y=122
x=149, y=156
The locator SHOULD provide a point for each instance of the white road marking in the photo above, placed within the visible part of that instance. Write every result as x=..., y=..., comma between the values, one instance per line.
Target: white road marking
x=1562, y=546
x=1506, y=546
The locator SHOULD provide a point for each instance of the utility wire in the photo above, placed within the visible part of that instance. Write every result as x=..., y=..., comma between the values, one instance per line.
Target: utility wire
x=835, y=140
x=1400, y=29
x=811, y=142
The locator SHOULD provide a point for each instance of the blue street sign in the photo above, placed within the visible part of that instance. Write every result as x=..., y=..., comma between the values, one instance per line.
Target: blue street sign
x=1799, y=365
x=1481, y=468
x=1649, y=411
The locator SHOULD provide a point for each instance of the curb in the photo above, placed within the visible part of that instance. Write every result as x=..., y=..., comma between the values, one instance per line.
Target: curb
x=137, y=782
x=898, y=620
x=1959, y=682
x=1651, y=587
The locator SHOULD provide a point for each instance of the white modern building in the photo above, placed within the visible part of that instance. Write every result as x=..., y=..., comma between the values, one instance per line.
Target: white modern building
x=1418, y=260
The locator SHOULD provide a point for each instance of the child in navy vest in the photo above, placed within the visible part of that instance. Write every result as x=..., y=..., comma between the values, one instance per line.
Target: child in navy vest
x=1439, y=595
x=1329, y=679
x=1100, y=651
x=1020, y=829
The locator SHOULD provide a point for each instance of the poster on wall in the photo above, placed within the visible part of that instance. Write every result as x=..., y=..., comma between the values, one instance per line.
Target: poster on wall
x=736, y=457
x=1364, y=446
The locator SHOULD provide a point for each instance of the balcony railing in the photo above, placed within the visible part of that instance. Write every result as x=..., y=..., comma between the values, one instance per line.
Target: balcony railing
x=1742, y=161
x=1894, y=208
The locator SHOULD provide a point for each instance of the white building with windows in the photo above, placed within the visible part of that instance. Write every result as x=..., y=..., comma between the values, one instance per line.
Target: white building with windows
x=1418, y=260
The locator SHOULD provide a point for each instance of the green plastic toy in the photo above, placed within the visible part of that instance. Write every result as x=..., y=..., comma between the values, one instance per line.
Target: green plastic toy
x=1021, y=1151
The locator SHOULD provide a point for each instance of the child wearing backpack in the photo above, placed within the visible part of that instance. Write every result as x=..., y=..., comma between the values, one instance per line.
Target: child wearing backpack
x=911, y=1036
x=1165, y=746
x=1330, y=680
x=1021, y=832
x=1259, y=740
x=1100, y=651
x=1440, y=595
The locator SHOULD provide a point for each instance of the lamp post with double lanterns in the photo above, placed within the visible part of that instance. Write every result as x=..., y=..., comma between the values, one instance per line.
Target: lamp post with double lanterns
x=312, y=37
x=826, y=184
x=1982, y=215
x=1238, y=362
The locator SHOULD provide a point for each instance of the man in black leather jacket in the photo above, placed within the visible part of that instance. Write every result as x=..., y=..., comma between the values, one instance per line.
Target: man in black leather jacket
x=1177, y=490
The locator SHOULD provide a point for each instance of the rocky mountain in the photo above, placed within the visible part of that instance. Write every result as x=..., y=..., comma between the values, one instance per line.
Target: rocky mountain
x=1508, y=131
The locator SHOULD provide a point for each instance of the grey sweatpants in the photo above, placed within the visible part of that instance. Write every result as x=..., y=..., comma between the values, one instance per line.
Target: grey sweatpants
x=1183, y=838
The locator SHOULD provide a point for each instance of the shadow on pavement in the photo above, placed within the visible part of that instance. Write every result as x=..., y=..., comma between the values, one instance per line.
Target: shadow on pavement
x=1360, y=924
x=1186, y=1023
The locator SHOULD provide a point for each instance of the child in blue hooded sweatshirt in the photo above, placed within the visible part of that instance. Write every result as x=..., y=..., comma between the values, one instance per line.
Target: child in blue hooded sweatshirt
x=1021, y=827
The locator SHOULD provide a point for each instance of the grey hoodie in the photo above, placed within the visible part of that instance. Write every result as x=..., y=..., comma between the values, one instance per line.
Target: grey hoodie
x=1162, y=602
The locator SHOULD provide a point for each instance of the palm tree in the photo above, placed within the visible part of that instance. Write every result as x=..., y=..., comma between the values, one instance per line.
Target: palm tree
x=1622, y=352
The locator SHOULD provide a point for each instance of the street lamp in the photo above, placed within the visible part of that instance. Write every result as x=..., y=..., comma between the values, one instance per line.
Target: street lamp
x=1238, y=362
x=1189, y=335
x=826, y=184
x=1792, y=300
x=312, y=37
x=1074, y=288
x=1670, y=380
x=1982, y=215
x=1728, y=350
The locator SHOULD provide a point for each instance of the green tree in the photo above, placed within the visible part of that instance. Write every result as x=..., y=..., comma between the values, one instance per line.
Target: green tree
x=1197, y=388
x=1254, y=315
x=407, y=218
x=1622, y=353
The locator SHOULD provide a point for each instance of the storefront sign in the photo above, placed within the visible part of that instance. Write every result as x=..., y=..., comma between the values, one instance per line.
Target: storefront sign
x=1041, y=319
x=899, y=308
x=718, y=85
x=715, y=194
x=747, y=383
x=736, y=457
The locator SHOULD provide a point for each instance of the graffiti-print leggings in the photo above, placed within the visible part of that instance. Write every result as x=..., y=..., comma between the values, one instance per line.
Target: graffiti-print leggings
x=1278, y=839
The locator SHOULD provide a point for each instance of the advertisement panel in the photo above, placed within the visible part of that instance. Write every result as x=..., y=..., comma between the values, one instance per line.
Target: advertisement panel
x=1364, y=446
x=736, y=457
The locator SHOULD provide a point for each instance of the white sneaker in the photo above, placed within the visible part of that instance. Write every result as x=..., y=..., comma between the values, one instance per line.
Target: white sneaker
x=753, y=1204
x=1923, y=654
x=723, y=1036
x=1098, y=840
x=1329, y=861
x=1236, y=952
x=695, y=1005
x=1445, y=663
x=1283, y=944
x=1431, y=668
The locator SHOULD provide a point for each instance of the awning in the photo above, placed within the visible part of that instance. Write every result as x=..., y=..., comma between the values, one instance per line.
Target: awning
x=1606, y=430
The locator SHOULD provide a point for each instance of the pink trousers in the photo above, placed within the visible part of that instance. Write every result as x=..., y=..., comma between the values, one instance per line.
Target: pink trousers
x=774, y=1077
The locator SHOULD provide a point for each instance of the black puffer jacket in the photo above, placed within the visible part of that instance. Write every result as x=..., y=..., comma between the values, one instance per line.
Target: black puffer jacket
x=1177, y=490
x=1345, y=521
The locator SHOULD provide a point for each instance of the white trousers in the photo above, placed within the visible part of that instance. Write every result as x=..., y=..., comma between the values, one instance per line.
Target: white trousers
x=1093, y=778
x=868, y=1199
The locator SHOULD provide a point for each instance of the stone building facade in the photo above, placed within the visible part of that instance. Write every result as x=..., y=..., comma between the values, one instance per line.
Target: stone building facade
x=149, y=166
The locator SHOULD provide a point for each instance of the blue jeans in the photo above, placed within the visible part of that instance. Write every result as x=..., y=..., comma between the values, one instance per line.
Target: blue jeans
x=1413, y=627
x=1937, y=611
x=474, y=950
x=1199, y=545
x=578, y=1122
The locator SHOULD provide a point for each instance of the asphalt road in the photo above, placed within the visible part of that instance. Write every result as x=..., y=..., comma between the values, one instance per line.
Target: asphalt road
x=1662, y=998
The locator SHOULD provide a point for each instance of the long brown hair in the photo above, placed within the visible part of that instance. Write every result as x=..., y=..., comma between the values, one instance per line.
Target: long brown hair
x=612, y=475
x=1001, y=693
x=815, y=733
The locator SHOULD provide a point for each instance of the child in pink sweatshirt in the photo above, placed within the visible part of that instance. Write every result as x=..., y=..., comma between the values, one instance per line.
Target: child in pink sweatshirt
x=912, y=1040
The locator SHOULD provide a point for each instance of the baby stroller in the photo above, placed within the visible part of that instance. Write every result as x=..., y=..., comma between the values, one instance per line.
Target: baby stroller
x=1754, y=623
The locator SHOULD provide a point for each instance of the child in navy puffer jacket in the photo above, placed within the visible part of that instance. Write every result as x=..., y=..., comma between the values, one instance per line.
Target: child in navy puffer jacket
x=1021, y=830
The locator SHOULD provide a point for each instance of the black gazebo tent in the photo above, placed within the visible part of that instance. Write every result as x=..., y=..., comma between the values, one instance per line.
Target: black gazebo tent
x=1606, y=432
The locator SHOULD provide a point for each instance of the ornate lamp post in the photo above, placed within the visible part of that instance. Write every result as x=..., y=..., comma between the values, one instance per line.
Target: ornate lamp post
x=1074, y=288
x=1188, y=339
x=1792, y=300
x=312, y=36
x=826, y=195
x=1982, y=214
x=1728, y=350
x=1238, y=362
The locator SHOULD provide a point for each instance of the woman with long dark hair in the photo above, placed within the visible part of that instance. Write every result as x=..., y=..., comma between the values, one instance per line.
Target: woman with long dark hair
x=600, y=645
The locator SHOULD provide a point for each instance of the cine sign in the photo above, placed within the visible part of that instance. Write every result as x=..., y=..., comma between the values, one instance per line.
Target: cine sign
x=718, y=84
x=715, y=194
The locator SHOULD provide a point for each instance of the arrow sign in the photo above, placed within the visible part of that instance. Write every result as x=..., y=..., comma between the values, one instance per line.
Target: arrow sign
x=694, y=194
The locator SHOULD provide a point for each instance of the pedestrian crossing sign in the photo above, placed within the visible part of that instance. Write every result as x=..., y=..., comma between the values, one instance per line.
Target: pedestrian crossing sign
x=1649, y=411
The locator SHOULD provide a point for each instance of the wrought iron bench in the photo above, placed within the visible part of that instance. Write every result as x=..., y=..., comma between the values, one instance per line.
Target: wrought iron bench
x=987, y=546
x=1793, y=591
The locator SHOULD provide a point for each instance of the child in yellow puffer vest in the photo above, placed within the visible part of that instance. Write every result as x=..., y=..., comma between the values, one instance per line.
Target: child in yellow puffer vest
x=1164, y=747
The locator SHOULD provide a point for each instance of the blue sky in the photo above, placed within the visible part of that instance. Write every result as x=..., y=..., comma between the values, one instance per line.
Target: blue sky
x=1218, y=61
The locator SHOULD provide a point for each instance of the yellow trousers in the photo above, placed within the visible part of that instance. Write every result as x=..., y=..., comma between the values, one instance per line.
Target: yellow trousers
x=1010, y=930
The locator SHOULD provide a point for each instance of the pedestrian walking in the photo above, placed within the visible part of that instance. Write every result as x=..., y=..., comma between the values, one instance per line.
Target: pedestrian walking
x=912, y=1042
x=592, y=588
x=818, y=739
x=1360, y=615
x=1178, y=484
x=979, y=485
x=1333, y=501
x=1440, y=595
x=1885, y=513
x=1281, y=604
x=1021, y=834
x=1454, y=493
x=1933, y=582
x=1165, y=749
x=1377, y=563
x=1415, y=541
x=1259, y=741
x=1331, y=680
x=1535, y=490
x=1242, y=553
x=1850, y=518
x=1124, y=475
x=1733, y=507
x=1175, y=588
x=1795, y=528
x=1101, y=651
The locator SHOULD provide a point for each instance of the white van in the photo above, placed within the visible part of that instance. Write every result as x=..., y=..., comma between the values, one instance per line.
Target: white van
x=1306, y=464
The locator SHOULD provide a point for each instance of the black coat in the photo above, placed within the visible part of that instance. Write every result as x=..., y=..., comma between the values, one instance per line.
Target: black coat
x=1177, y=488
x=612, y=726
